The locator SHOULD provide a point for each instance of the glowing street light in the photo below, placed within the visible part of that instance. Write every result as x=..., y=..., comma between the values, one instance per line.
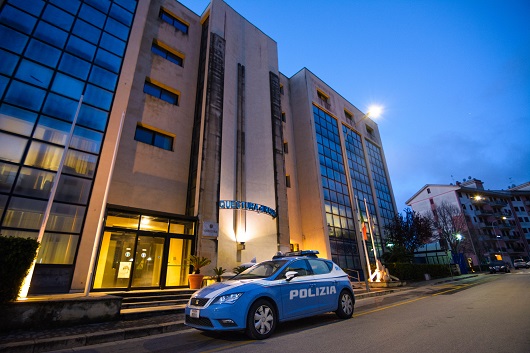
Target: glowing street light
x=374, y=111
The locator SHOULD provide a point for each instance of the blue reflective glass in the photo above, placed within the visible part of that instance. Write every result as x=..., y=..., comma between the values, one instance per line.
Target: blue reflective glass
x=8, y=62
x=43, y=53
x=121, y=14
x=101, y=5
x=3, y=84
x=67, y=5
x=25, y=95
x=144, y=135
x=17, y=19
x=108, y=60
x=86, y=140
x=16, y=120
x=117, y=29
x=34, y=73
x=93, y=118
x=164, y=142
x=103, y=78
x=12, y=40
x=93, y=16
x=34, y=7
x=60, y=107
x=74, y=66
x=81, y=48
x=98, y=97
x=58, y=17
x=51, y=34
x=67, y=86
x=87, y=31
x=112, y=44
x=52, y=130
x=128, y=4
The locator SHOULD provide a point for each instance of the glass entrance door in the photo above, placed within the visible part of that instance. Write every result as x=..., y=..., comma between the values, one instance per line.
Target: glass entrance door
x=177, y=269
x=115, y=260
x=148, y=261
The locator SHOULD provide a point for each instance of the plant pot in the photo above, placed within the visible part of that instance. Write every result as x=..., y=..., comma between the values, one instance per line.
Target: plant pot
x=195, y=280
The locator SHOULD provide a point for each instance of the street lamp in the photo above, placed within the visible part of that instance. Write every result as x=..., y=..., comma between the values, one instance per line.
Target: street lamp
x=374, y=111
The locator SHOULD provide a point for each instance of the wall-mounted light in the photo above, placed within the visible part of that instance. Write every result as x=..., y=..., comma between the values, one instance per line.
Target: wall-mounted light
x=241, y=246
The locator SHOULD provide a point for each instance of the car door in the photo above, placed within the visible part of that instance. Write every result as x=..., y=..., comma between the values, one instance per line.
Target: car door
x=325, y=285
x=299, y=297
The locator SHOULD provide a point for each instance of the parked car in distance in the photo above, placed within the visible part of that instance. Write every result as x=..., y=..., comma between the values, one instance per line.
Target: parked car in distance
x=520, y=263
x=499, y=266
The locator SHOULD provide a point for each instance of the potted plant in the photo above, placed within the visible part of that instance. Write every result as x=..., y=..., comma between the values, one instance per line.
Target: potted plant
x=219, y=271
x=196, y=277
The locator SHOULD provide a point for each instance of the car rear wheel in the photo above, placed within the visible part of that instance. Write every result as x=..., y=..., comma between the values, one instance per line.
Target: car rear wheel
x=345, y=308
x=261, y=320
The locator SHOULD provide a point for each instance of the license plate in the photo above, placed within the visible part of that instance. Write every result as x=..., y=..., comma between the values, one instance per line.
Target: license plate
x=194, y=313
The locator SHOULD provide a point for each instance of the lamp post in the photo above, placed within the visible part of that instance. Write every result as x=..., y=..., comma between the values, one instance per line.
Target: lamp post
x=374, y=111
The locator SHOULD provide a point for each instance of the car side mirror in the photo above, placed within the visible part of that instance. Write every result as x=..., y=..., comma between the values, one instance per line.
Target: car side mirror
x=289, y=275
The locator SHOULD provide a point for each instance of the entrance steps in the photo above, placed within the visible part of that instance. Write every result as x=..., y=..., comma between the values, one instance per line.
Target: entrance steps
x=145, y=303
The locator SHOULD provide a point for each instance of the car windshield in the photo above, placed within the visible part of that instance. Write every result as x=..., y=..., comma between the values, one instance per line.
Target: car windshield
x=262, y=270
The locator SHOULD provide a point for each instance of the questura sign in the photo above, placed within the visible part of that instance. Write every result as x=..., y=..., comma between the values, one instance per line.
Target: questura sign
x=248, y=206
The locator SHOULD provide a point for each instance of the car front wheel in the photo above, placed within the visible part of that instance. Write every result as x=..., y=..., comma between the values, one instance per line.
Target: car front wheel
x=261, y=320
x=345, y=308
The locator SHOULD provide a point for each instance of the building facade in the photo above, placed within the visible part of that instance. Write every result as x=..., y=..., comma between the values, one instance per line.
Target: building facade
x=496, y=221
x=135, y=133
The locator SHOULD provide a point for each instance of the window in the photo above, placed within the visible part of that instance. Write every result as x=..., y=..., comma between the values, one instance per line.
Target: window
x=288, y=181
x=283, y=117
x=281, y=89
x=167, y=53
x=157, y=91
x=428, y=191
x=285, y=147
x=323, y=99
x=348, y=115
x=173, y=20
x=153, y=138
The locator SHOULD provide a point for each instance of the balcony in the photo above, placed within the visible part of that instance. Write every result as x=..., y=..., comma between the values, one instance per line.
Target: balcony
x=498, y=203
x=478, y=200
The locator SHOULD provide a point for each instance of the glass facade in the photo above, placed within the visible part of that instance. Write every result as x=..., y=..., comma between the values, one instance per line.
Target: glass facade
x=360, y=180
x=52, y=53
x=339, y=211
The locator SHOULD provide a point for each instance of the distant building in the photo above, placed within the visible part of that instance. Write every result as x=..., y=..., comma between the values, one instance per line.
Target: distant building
x=497, y=221
x=187, y=140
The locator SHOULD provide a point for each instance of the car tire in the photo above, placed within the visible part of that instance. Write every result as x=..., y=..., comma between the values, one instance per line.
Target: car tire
x=261, y=320
x=345, y=305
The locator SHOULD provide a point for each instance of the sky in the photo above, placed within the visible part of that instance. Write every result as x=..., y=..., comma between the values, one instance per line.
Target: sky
x=453, y=78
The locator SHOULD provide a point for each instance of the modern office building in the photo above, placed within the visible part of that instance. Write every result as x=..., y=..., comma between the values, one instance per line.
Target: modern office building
x=497, y=222
x=135, y=133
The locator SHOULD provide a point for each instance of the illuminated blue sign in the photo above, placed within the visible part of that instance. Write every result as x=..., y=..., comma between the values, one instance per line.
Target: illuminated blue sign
x=248, y=206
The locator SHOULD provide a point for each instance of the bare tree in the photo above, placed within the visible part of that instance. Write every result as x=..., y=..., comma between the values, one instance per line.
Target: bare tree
x=450, y=224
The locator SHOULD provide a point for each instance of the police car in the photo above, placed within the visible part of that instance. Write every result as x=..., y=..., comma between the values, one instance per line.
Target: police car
x=288, y=287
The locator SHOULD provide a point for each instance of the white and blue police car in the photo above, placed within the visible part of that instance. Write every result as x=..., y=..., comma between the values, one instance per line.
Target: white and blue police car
x=288, y=287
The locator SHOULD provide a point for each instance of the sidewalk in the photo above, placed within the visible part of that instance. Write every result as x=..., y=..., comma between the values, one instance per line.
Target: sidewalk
x=45, y=340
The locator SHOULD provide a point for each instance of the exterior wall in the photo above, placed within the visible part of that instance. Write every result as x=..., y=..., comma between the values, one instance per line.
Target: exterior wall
x=257, y=53
x=146, y=176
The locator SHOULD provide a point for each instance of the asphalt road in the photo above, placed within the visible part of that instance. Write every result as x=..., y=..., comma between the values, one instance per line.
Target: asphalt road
x=488, y=313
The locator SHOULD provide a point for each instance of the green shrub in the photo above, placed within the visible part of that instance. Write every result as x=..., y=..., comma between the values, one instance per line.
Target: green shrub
x=416, y=272
x=16, y=257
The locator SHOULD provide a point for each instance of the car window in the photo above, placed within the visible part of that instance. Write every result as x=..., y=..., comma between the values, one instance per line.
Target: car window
x=262, y=270
x=319, y=267
x=299, y=266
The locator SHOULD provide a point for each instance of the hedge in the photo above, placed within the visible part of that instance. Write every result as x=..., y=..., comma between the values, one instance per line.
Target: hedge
x=416, y=272
x=16, y=257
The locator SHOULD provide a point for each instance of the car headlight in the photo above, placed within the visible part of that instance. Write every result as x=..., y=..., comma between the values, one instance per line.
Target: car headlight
x=227, y=299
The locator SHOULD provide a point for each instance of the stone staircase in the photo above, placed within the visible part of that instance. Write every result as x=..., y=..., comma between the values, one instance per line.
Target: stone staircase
x=147, y=303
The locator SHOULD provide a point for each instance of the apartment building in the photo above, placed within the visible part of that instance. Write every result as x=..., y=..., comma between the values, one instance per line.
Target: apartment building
x=135, y=133
x=496, y=221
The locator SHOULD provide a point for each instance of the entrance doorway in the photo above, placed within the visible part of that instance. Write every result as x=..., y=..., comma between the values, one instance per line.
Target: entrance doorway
x=148, y=255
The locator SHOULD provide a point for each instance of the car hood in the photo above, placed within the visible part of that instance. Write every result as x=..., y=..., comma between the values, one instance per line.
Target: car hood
x=216, y=289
